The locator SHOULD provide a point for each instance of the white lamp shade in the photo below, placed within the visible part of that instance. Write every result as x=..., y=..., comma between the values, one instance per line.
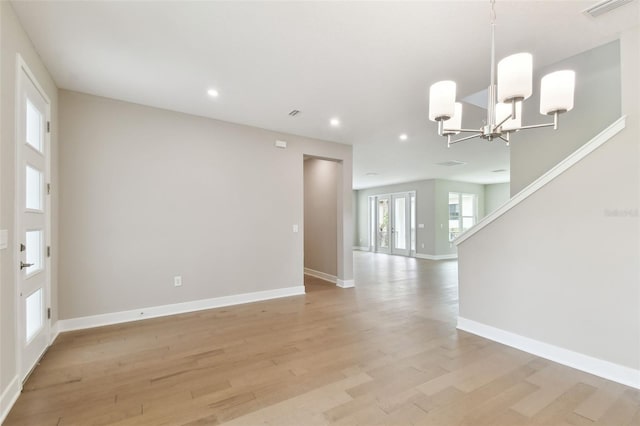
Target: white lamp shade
x=515, y=77
x=556, y=92
x=442, y=97
x=455, y=122
x=503, y=111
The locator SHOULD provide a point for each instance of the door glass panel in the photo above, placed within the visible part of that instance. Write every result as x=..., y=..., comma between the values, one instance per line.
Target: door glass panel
x=399, y=225
x=467, y=222
x=34, y=182
x=372, y=222
x=34, y=314
x=413, y=222
x=34, y=251
x=383, y=223
x=34, y=127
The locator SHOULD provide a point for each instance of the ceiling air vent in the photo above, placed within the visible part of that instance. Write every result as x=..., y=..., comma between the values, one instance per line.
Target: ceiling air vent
x=603, y=7
x=294, y=112
x=451, y=163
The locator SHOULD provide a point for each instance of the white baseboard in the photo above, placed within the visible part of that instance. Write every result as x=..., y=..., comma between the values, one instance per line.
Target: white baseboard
x=436, y=256
x=361, y=248
x=9, y=397
x=321, y=275
x=345, y=283
x=173, y=309
x=605, y=369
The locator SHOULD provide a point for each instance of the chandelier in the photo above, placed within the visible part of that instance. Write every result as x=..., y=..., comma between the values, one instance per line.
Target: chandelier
x=504, y=109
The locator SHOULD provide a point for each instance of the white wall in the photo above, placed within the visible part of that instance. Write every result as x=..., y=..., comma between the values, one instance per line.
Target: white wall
x=320, y=215
x=147, y=194
x=563, y=267
x=13, y=40
x=495, y=195
x=597, y=104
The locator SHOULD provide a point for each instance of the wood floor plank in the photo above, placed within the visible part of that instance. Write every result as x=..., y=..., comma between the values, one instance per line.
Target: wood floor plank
x=385, y=353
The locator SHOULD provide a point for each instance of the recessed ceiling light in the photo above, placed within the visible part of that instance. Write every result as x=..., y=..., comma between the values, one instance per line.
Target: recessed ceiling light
x=213, y=93
x=335, y=122
x=404, y=137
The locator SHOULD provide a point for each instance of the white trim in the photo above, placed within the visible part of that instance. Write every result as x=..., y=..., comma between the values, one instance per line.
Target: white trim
x=321, y=275
x=345, y=283
x=54, y=331
x=557, y=170
x=361, y=248
x=173, y=309
x=9, y=397
x=436, y=256
x=608, y=370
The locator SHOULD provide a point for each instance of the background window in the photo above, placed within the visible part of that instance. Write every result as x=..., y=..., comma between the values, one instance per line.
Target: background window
x=462, y=213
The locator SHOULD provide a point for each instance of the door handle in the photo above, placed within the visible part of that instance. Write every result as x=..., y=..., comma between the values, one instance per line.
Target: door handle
x=25, y=265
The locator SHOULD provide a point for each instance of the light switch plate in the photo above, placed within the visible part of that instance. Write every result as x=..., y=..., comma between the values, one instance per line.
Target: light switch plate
x=421, y=225
x=4, y=239
x=295, y=228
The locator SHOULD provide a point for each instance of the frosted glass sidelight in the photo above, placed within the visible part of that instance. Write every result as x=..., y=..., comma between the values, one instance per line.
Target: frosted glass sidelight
x=455, y=122
x=556, y=91
x=34, y=314
x=442, y=98
x=515, y=77
x=33, y=186
x=35, y=135
x=503, y=111
x=34, y=250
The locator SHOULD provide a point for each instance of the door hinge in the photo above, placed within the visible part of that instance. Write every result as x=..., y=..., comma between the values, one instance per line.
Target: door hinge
x=48, y=313
x=48, y=251
x=22, y=247
x=48, y=188
x=48, y=127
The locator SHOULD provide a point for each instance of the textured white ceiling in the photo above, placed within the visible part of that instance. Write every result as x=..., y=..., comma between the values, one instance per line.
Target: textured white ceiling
x=368, y=63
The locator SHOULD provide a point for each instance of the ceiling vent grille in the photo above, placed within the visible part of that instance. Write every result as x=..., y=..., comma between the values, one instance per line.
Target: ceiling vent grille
x=603, y=7
x=451, y=163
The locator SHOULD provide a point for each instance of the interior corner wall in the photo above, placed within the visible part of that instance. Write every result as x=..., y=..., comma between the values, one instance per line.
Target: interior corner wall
x=596, y=106
x=443, y=246
x=148, y=194
x=320, y=215
x=13, y=41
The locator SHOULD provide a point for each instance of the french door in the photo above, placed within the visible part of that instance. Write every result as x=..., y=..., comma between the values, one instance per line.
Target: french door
x=392, y=223
x=32, y=219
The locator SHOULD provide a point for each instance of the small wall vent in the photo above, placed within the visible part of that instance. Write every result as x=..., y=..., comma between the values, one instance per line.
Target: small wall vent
x=603, y=7
x=294, y=112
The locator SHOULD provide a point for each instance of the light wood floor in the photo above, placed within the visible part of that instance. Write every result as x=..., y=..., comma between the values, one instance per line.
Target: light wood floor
x=386, y=352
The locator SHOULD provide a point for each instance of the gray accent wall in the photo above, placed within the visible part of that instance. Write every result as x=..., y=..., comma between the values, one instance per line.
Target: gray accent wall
x=597, y=105
x=148, y=194
x=13, y=40
x=320, y=215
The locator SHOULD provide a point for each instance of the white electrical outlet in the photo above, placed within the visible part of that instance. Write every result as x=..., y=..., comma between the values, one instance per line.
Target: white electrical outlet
x=422, y=245
x=177, y=281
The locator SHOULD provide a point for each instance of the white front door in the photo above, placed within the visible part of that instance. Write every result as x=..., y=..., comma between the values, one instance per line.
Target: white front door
x=32, y=219
x=383, y=230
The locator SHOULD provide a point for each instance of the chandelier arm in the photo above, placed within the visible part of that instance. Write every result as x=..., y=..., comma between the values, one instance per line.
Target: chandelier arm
x=556, y=118
x=450, y=142
x=505, y=139
x=504, y=121
x=464, y=131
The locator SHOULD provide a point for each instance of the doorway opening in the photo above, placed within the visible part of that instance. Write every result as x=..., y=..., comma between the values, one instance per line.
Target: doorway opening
x=322, y=218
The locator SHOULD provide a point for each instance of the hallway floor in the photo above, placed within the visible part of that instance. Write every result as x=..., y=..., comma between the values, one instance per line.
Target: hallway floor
x=384, y=353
